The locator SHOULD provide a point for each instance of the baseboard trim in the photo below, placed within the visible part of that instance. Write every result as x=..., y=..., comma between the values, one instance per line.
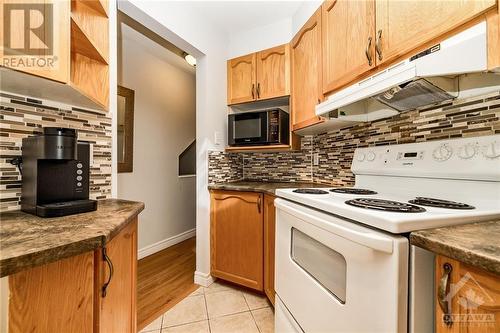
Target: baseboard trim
x=163, y=244
x=203, y=279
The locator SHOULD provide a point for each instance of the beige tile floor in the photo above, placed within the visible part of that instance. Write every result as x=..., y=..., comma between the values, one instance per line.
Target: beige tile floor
x=220, y=308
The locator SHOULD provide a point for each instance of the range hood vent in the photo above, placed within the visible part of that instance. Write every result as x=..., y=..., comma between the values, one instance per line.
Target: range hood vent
x=415, y=94
x=428, y=78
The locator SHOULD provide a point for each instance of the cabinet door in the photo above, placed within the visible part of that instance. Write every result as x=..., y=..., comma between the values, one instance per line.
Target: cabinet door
x=117, y=310
x=474, y=297
x=306, y=73
x=241, y=79
x=56, y=297
x=237, y=237
x=269, y=234
x=402, y=26
x=273, y=72
x=43, y=51
x=348, y=41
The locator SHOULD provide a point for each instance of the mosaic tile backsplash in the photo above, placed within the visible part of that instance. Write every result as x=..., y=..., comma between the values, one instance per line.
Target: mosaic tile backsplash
x=22, y=116
x=476, y=116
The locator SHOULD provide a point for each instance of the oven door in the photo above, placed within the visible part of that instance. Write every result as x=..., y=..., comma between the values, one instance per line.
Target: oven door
x=249, y=128
x=334, y=275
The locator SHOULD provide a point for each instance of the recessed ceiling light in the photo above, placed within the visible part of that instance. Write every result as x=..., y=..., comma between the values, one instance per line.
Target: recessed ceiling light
x=190, y=59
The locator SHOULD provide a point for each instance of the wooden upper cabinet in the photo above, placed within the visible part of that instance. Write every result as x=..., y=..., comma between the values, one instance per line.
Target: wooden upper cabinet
x=261, y=75
x=402, y=26
x=273, y=72
x=52, y=52
x=306, y=73
x=348, y=41
x=237, y=237
x=241, y=79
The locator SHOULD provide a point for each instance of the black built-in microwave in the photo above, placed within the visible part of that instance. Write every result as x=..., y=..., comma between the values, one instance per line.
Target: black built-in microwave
x=267, y=127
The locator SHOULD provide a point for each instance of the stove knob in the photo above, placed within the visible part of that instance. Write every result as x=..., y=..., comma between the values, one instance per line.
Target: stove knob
x=370, y=156
x=442, y=152
x=361, y=157
x=467, y=151
x=492, y=150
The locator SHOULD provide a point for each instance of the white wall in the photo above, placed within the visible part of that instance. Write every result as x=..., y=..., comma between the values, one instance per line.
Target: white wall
x=303, y=13
x=276, y=33
x=190, y=31
x=164, y=125
x=260, y=38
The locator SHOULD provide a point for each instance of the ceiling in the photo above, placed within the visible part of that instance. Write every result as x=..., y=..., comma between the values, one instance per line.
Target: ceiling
x=233, y=16
x=131, y=29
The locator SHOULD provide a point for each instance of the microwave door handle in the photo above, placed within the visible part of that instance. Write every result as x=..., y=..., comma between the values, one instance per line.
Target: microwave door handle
x=268, y=135
x=368, y=239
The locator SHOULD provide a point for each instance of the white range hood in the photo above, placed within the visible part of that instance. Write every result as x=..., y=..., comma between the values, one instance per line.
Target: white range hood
x=429, y=77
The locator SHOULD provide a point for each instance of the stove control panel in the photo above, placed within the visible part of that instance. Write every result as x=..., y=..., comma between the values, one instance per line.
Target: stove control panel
x=410, y=155
x=468, y=150
x=464, y=158
x=442, y=153
x=492, y=150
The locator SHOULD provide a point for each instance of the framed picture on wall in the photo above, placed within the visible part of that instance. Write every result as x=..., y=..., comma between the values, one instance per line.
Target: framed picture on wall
x=125, y=130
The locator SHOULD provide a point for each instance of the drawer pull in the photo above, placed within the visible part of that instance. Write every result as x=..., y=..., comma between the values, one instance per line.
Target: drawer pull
x=442, y=297
x=111, y=270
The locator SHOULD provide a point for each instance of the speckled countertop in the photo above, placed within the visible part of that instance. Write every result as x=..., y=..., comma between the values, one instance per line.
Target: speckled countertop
x=476, y=244
x=265, y=187
x=27, y=240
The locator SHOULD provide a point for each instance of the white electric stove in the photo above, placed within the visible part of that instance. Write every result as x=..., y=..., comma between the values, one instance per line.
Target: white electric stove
x=343, y=259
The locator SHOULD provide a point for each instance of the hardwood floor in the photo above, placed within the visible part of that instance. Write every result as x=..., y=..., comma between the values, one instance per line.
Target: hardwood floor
x=164, y=279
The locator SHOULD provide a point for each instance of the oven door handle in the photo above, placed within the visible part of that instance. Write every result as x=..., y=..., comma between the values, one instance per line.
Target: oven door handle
x=369, y=239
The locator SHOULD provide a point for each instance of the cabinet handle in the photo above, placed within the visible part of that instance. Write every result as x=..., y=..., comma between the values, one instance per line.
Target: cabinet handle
x=253, y=90
x=258, y=90
x=367, y=51
x=111, y=270
x=378, y=44
x=259, y=203
x=442, y=297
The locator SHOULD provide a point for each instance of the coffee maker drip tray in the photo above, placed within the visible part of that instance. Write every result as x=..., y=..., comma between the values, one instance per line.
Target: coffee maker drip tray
x=66, y=208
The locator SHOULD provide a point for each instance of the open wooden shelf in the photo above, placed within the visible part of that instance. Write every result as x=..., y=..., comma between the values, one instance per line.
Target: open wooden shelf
x=95, y=86
x=258, y=148
x=90, y=50
x=294, y=139
x=92, y=25
x=100, y=6
x=80, y=43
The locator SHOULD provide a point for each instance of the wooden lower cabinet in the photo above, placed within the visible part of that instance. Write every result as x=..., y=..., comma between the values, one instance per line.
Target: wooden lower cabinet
x=473, y=297
x=66, y=295
x=269, y=234
x=117, y=311
x=236, y=238
x=242, y=233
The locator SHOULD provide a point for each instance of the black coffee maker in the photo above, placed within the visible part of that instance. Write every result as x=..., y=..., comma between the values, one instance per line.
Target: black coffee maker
x=55, y=174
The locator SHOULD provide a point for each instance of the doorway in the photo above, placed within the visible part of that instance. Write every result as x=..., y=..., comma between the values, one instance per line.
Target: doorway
x=161, y=172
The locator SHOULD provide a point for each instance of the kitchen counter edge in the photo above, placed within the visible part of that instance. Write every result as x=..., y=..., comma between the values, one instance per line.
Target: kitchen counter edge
x=475, y=244
x=57, y=237
x=262, y=187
